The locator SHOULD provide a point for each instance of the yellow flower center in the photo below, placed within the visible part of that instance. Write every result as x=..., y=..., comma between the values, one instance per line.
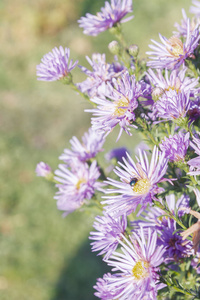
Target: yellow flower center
x=79, y=183
x=142, y=186
x=121, y=106
x=140, y=270
x=176, y=46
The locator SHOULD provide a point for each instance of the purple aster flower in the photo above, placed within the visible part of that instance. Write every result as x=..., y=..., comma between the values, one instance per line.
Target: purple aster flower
x=194, y=163
x=117, y=153
x=172, y=53
x=172, y=105
x=176, y=247
x=107, y=236
x=43, y=170
x=175, y=81
x=168, y=236
x=182, y=28
x=120, y=108
x=77, y=186
x=138, y=183
x=137, y=268
x=91, y=144
x=175, y=147
x=196, y=8
x=194, y=111
x=104, y=291
x=107, y=18
x=102, y=73
x=55, y=65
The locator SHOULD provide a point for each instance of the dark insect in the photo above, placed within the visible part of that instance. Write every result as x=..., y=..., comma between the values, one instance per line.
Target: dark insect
x=133, y=181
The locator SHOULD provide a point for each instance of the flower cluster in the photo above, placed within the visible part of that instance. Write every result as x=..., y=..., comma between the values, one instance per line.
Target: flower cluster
x=145, y=228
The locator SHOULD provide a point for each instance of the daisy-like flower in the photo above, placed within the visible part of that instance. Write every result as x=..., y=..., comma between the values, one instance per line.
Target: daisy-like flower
x=172, y=106
x=104, y=291
x=137, y=268
x=168, y=235
x=175, y=147
x=182, y=28
x=43, y=170
x=138, y=183
x=55, y=65
x=174, y=81
x=172, y=53
x=91, y=144
x=76, y=187
x=194, y=111
x=107, y=236
x=111, y=14
x=194, y=163
x=102, y=73
x=196, y=8
x=120, y=108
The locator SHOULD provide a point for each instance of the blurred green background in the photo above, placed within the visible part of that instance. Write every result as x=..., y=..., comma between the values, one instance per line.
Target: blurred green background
x=44, y=256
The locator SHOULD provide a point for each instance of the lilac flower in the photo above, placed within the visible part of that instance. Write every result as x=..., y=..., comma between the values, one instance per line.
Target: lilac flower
x=104, y=291
x=175, y=147
x=108, y=233
x=75, y=187
x=174, y=81
x=172, y=105
x=194, y=111
x=55, y=65
x=43, y=169
x=91, y=144
x=137, y=268
x=176, y=247
x=107, y=18
x=117, y=153
x=168, y=235
x=196, y=8
x=138, y=183
x=182, y=28
x=194, y=163
x=120, y=108
x=173, y=52
x=98, y=78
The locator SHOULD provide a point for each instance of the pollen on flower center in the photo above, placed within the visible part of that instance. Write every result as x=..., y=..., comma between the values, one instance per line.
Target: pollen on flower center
x=79, y=183
x=142, y=186
x=176, y=46
x=140, y=270
x=121, y=106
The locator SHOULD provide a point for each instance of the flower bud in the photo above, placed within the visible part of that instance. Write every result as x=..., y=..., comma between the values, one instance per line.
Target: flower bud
x=157, y=93
x=44, y=170
x=133, y=50
x=114, y=47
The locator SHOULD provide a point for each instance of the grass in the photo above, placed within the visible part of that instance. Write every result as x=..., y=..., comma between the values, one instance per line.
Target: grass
x=43, y=256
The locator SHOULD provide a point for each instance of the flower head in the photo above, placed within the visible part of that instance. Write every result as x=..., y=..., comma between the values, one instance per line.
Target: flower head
x=174, y=81
x=172, y=53
x=119, y=109
x=137, y=268
x=182, y=28
x=55, y=65
x=76, y=187
x=117, y=153
x=194, y=163
x=108, y=233
x=91, y=144
x=107, y=18
x=175, y=147
x=172, y=105
x=138, y=183
x=168, y=236
x=102, y=73
x=43, y=169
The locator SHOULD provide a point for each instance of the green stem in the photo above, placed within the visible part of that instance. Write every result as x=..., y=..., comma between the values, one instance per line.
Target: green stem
x=75, y=88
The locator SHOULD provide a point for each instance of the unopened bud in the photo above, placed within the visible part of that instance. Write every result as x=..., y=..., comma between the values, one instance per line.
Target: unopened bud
x=114, y=47
x=44, y=170
x=157, y=93
x=133, y=50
